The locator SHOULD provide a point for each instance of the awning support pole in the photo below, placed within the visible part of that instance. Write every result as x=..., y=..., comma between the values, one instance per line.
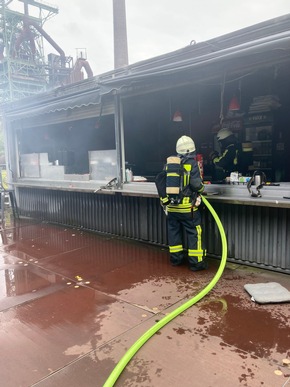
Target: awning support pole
x=119, y=138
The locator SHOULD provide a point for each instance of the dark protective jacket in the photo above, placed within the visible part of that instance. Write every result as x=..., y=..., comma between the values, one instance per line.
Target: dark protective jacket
x=192, y=182
x=228, y=161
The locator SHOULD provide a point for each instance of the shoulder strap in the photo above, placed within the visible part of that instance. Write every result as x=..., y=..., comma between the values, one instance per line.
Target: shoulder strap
x=186, y=188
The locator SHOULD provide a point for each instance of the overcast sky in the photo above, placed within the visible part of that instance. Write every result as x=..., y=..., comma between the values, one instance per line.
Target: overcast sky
x=154, y=27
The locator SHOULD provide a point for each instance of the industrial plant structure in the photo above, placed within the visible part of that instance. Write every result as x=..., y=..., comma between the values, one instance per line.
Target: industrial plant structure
x=24, y=68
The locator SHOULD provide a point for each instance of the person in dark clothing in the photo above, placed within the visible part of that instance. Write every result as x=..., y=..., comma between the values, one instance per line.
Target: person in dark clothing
x=185, y=216
x=228, y=160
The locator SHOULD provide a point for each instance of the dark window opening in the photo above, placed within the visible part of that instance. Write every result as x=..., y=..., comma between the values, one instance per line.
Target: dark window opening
x=68, y=144
x=151, y=134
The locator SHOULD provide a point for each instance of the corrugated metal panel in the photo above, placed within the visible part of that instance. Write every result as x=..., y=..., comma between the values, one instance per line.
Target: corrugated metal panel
x=256, y=235
x=133, y=217
x=65, y=116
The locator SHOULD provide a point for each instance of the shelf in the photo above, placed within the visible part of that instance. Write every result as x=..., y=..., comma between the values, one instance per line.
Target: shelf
x=262, y=155
x=259, y=118
x=261, y=141
x=251, y=168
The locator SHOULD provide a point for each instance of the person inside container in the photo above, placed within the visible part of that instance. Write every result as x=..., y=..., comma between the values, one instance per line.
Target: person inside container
x=228, y=160
x=184, y=215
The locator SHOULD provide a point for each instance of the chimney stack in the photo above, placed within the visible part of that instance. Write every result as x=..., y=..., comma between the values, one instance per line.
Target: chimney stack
x=120, y=34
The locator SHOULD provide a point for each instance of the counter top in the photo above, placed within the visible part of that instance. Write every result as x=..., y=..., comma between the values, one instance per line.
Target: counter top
x=271, y=196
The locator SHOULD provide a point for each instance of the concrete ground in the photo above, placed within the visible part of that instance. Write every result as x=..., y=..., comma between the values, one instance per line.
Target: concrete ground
x=73, y=302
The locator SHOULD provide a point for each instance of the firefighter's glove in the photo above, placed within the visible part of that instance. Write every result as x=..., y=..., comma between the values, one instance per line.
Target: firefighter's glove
x=164, y=201
x=213, y=155
x=197, y=201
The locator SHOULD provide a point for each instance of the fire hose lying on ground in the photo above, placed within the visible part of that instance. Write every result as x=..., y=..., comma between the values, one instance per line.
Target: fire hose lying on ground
x=165, y=320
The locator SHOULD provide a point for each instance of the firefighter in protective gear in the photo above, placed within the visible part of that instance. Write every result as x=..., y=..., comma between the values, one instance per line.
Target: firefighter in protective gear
x=228, y=160
x=186, y=216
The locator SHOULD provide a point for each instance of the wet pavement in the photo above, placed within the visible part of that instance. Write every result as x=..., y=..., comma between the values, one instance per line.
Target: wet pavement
x=73, y=302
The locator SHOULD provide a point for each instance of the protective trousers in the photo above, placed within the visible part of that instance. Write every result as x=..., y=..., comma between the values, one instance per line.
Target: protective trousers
x=191, y=224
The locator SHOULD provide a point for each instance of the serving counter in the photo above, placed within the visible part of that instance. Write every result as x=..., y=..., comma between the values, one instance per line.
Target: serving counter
x=271, y=195
x=277, y=195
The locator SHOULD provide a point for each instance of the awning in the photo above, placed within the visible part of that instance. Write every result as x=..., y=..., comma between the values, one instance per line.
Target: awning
x=277, y=47
x=58, y=104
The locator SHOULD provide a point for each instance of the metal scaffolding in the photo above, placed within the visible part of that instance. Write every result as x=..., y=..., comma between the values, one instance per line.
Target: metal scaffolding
x=23, y=68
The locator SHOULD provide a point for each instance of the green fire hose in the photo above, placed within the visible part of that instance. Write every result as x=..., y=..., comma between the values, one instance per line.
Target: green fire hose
x=160, y=324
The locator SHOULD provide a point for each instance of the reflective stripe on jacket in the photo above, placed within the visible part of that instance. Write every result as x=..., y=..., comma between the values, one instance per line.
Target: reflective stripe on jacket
x=228, y=161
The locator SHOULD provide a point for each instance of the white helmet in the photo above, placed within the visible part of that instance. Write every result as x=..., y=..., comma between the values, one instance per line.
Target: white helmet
x=223, y=133
x=185, y=145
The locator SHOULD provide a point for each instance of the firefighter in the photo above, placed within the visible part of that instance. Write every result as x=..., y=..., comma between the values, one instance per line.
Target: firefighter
x=185, y=216
x=227, y=161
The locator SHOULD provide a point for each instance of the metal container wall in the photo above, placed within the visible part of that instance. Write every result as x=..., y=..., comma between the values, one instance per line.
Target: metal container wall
x=139, y=218
x=256, y=235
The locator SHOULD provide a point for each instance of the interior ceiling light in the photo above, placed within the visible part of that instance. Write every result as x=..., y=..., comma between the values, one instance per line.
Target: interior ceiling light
x=177, y=117
x=234, y=104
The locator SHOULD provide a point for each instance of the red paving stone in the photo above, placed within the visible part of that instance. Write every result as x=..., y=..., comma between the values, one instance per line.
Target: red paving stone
x=73, y=302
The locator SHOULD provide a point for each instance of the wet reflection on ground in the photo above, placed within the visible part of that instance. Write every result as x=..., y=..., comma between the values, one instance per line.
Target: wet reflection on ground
x=261, y=331
x=74, y=301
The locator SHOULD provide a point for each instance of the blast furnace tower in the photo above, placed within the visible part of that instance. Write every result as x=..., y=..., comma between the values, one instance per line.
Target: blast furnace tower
x=23, y=68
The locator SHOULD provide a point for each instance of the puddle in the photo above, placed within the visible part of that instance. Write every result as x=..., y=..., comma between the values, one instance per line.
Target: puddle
x=255, y=329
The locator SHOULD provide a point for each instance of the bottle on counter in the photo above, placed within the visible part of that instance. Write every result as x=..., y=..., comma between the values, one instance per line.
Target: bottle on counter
x=129, y=175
